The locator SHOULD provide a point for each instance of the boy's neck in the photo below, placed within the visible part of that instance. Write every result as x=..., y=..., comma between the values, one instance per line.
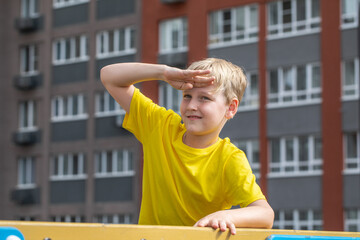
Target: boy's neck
x=202, y=141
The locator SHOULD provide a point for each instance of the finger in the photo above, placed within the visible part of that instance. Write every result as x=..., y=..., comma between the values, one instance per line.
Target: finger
x=194, y=73
x=232, y=228
x=214, y=224
x=187, y=86
x=223, y=226
x=201, y=223
x=198, y=72
x=203, y=78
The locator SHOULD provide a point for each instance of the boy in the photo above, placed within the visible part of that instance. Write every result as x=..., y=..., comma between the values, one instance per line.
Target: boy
x=191, y=176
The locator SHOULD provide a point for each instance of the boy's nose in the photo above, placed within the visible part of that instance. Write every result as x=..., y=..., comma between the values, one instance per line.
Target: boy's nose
x=192, y=104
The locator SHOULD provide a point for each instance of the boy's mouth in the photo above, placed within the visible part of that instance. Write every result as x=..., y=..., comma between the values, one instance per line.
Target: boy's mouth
x=193, y=117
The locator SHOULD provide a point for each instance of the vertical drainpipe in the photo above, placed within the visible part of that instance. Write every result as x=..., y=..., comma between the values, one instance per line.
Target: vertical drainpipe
x=332, y=179
x=262, y=93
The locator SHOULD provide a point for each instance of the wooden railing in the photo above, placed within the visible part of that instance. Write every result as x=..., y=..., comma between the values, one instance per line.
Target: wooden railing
x=94, y=231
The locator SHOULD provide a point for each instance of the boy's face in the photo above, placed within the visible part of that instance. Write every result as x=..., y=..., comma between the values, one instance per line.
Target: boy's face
x=203, y=111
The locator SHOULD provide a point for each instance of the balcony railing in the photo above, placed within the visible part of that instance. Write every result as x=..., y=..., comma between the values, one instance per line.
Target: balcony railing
x=27, y=82
x=28, y=24
x=25, y=138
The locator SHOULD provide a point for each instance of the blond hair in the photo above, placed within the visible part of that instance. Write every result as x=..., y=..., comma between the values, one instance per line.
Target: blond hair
x=229, y=78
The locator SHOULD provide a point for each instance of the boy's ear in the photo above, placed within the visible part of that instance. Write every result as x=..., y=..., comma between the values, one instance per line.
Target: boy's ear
x=232, y=108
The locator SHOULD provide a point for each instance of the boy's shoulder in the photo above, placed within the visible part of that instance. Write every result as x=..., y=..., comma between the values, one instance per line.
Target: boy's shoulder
x=230, y=147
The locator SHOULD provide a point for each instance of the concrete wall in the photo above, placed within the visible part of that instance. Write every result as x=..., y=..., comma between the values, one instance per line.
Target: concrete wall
x=295, y=192
x=71, y=15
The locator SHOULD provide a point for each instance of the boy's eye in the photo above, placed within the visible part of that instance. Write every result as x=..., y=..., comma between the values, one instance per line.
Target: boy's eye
x=186, y=96
x=205, y=98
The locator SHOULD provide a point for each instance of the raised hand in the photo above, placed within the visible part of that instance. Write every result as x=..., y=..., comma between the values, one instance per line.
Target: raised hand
x=187, y=79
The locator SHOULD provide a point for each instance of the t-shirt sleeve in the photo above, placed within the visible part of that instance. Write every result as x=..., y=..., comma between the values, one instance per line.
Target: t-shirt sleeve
x=143, y=117
x=240, y=183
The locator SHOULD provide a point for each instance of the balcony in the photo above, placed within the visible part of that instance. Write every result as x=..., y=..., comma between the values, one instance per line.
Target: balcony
x=25, y=196
x=27, y=138
x=28, y=24
x=27, y=82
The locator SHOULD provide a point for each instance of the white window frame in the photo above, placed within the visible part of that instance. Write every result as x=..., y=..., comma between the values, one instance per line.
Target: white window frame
x=101, y=162
x=168, y=98
x=103, y=101
x=114, y=218
x=62, y=161
x=216, y=21
x=250, y=101
x=312, y=94
x=68, y=218
x=29, y=60
x=103, y=48
x=296, y=223
x=27, y=116
x=294, y=24
x=29, y=8
x=26, y=173
x=67, y=3
x=352, y=221
x=60, y=49
x=352, y=161
x=62, y=108
x=346, y=16
x=355, y=86
x=249, y=148
x=166, y=28
x=313, y=164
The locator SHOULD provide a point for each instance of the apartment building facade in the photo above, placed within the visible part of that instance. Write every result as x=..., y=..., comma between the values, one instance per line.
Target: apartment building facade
x=66, y=157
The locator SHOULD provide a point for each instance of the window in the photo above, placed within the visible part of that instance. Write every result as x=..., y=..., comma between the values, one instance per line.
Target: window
x=105, y=105
x=26, y=172
x=67, y=3
x=68, y=108
x=352, y=220
x=235, y=25
x=29, y=8
x=68, y=166
x=173, y=36
x=116, y=42
x=349, y=13
x=251, y=149
x=294, y=85
x=27, y=116
x=116, y=219
x=352, y=152
x=25, y=218
x=298, y=219
x=169, y=97
x=350, y=76
x=291, y=17
x=70, y=50
x=295, y=156
x=29, y=60
x=68, y=218
x=115, y=163
x=250, y=99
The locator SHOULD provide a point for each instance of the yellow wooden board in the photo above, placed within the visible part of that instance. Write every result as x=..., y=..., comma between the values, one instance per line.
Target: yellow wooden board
x=94, y=231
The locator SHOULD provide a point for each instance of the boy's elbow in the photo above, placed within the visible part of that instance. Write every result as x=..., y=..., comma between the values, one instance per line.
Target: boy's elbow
x=104, y=74
x=270, y=215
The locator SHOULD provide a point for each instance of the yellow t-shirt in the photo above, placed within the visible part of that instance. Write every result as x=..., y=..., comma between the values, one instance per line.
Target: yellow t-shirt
x=183, y=184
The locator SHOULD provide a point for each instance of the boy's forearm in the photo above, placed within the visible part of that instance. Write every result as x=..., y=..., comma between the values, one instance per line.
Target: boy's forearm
x=252, y=217
x=258, y=214
x=126, y=74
